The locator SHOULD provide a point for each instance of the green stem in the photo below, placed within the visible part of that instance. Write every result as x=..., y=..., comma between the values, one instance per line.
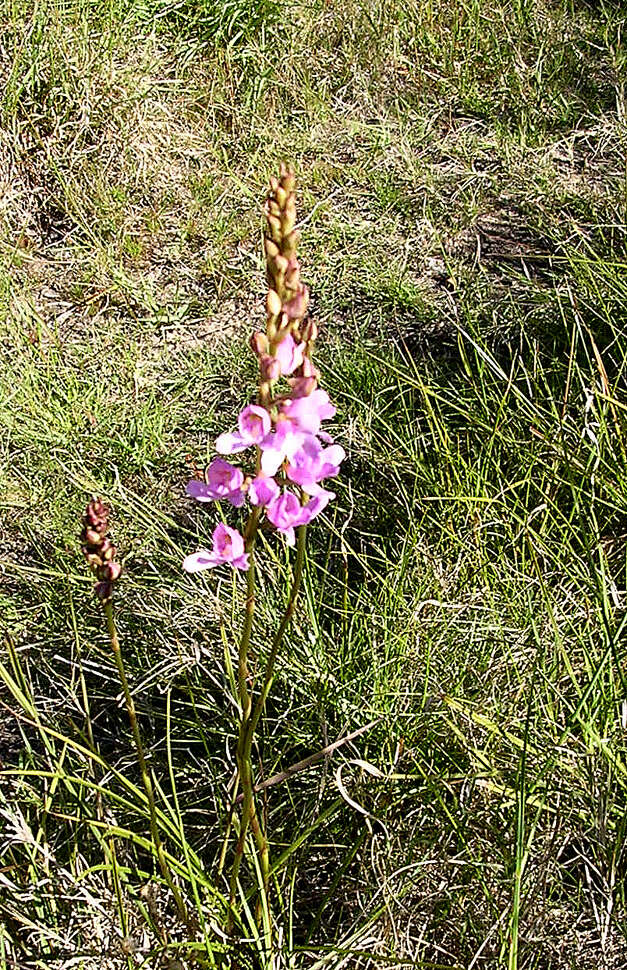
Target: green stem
x=250, y=717
x=143, y=768
x=278, y=638
x=262, y=844
x=245, y=702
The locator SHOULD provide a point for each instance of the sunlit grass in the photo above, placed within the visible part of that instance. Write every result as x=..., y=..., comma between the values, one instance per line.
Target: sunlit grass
x=461, y=170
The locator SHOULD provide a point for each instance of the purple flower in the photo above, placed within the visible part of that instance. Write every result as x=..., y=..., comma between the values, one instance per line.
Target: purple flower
x=307, y=413
x=228, y=547
x=225, y=482
x=262, y=490
x=289, y=354
x=285, y=511
x=312, y=463
x=281, y=443
x=254, y=424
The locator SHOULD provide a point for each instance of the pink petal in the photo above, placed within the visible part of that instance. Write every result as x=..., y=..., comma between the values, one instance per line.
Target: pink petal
x=237, y=543
x=312, y=488
x=271, y=459
x=199, y=561
x=200, y=491
x=335, y=455
x=262, y=490
x=228, y=443
x=317, y=504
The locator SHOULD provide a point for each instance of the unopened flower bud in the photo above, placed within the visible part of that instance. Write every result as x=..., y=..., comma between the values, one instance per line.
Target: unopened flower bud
x=284, y=327
x=107, y=550
x=281, y=195
x=309, y=330
x=291, y=241
x=289, y=213
x=112, y=570
x=274, y=224
x=288, y=181
x=293, y=273
x=259, y=343
x=308, y=369
x=92, y=537
x=273, y=303
x=296, y=308
x=272, y=250
x=270, y=368
x=302, y=386
x=103, y=591
x=281, y=263
x=96, y=511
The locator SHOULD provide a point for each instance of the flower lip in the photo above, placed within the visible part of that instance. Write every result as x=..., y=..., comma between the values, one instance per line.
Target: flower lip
x=228, y=547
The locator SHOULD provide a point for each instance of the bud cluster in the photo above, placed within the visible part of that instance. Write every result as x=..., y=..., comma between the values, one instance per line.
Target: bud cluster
x=288, y=298
x=98, y=549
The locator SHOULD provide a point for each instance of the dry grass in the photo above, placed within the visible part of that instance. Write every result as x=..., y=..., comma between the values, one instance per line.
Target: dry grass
x=462, y=173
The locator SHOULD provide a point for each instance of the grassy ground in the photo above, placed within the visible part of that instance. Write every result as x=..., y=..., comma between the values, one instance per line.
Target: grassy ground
x=463, y=197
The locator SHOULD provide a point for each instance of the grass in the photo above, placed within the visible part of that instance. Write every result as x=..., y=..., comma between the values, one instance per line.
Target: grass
x=463, y=203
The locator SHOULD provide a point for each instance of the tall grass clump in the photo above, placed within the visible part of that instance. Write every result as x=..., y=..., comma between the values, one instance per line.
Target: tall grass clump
x=219, y=22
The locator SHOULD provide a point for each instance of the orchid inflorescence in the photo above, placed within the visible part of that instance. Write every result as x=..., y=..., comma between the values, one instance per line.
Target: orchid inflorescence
x=293, y=454
x=98, y=549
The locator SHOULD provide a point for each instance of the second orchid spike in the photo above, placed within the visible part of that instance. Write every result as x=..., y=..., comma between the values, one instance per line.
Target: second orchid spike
x=98, y=549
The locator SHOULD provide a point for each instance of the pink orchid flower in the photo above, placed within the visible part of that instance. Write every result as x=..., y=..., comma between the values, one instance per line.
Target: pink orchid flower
x=262, y=490
x=312, y=463
x=224, y=482
x=228, y=547
x=289, y=354
x=285, y=512
x=307, y=413
x=254, y=424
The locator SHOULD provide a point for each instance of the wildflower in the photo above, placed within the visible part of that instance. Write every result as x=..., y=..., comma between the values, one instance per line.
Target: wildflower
x=312, y=463
x=228, y=547
x=285, y=512
x=254, y=424
x=299, y=419
x=224, y=482
x=307, y=413
x=98, y=549
x=262, y=490
x=280, y=444
x=289, y=354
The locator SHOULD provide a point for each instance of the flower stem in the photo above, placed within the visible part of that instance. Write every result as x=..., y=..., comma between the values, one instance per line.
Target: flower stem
x=248, y=808
x=143, y=768
x=244, y=766
x=278, y=637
